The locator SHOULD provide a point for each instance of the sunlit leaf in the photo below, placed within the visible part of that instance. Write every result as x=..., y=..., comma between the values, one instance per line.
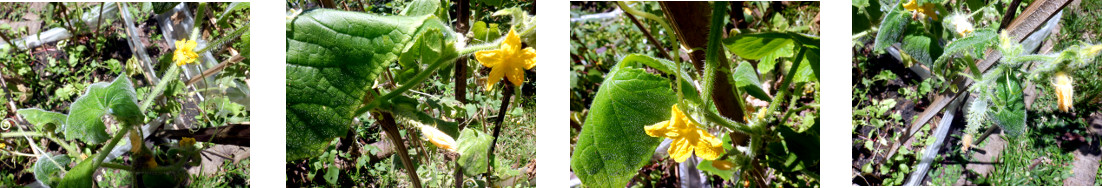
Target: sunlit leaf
x=613, y=145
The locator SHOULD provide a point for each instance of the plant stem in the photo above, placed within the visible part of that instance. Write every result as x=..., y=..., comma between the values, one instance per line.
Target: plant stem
x=116, y=166
x=99, y=18
x=20, y=153
x=480, y=47
x=787, y=79
x=417, y=80
x=173, y=72
x=507, y=96
x=21, y=134
x=110, y=145
x=200, y=14
x=68, y=147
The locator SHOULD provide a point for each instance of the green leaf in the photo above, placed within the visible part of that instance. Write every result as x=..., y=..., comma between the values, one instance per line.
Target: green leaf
x=806, y=71
x=891, y=28
x=1011, y=114
x=426, y=48
x=43, y=120
x=761, y=45
x=746, y=79
x=706, y=166
x=485, y=32
x=160, y=7
x=222, y=18
x=421, y=7
x=860, y=4
x=613, y=145
x=331, y=175
x=921, y=48
x=974, y=44
x=80, y=176
x=472, y=149
x=668, y=67
x=85, y=114
x=48, y=172
x=812, y=56
x=332, y=59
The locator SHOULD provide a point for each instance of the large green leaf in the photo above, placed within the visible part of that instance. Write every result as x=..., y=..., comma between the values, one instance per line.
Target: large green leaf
x=43, y=120
x=1010, y=112
x=746, y=79
x=613, y=145
x=472, y=149
x=85, y=114
x=80, y=176
x=922, y=48
x=761, y=45
x=48, y=172
x=891, y=28
x=332, y=59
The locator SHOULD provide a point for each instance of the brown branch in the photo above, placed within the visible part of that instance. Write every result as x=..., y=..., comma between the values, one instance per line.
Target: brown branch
x=656, y=43
x=386, y=120
x=231, y=134
x=327, y=4
x=462, y=25
x=691, y=20
x=508, y=95
x=215, y=69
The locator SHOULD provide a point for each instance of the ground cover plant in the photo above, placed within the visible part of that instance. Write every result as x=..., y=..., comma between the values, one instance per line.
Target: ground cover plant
x=407, y=94
x=124, y=94
x=718, y=94
x=1013, y=82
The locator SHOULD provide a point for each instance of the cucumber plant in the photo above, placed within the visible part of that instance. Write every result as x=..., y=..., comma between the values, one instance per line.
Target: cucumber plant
x=106, y=126
x=971, y=46
x=344, y=65
x=644, y=100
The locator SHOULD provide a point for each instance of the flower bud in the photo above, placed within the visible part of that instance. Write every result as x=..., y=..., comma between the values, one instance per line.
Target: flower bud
x=438, y=138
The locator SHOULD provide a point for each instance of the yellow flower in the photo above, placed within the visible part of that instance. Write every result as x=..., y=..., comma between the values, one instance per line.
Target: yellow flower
x=723, y=164
x=187, y=142
x=926, y=8
x=509, y=61
x=1064, y=91
x=686, y=137
x=961, y=24
x=2, y=145
x=185, y=52
x=966, y=142
x=438, y=138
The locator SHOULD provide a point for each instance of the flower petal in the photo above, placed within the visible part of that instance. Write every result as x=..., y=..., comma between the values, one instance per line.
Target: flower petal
x=528, y=55
x=511, y=43
x=680, y=149
x=708, y=147
x=495, y=76
x=515, y=74
x=489, y=58
x=658, y=129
